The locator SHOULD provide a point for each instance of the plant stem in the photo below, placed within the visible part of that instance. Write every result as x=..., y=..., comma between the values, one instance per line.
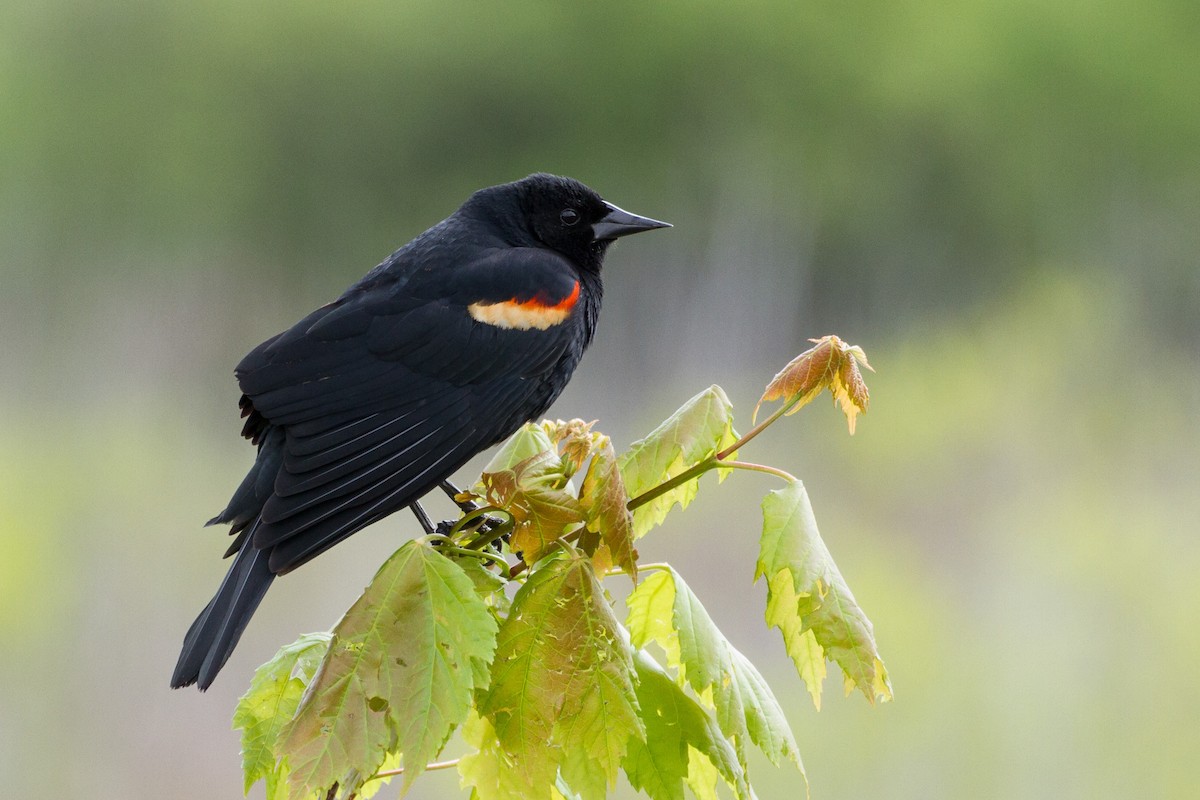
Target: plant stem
x=462, y=551
x=666, y=486
x=391, y=773
x=757, y=429
x=714, y=461
x=746, y=465
x=641, y=568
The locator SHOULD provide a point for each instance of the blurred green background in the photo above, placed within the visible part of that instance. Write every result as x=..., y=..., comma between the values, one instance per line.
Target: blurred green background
x=998, y=199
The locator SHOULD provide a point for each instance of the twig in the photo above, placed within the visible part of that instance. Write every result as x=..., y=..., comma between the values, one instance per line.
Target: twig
x=714, y=461
x=391, y=773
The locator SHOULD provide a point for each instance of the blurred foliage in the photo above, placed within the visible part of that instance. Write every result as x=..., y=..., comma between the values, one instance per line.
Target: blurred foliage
x=997, y=199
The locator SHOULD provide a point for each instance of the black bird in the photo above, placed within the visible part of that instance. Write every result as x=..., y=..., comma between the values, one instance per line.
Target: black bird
x=368, y=403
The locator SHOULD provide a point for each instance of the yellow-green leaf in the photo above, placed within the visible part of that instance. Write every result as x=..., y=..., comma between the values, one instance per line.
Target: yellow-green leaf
x=561, y=693
x=529, y=440
x=487, y=769
x=683, y=744
x=399, y=675
x=268, y=705
x=604, y=499
x=744, y=705
x=809, y=601
x=702, y=427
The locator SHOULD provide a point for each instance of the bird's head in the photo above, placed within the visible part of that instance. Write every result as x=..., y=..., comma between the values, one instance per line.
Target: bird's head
x=565, y=215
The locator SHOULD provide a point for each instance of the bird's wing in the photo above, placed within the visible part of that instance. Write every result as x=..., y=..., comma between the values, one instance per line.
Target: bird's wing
x=386, y=391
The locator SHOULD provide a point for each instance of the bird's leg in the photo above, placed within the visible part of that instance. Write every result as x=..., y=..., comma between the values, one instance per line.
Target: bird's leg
x=485, y=524
x=423, y=518
x=453, y=492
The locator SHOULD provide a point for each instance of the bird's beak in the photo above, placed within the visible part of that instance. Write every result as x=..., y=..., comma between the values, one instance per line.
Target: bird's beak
x=618, y=222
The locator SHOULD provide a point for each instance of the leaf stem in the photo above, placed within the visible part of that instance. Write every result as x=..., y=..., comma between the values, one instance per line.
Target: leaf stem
x=480, y=554
x=757, y=429
x=641, y=567
x=470, y=517
x=746, y=465
x=678, y=480
x=391, y=773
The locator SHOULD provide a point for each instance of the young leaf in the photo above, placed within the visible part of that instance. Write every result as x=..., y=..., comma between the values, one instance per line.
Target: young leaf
x=400, y=673
x=808, y=600
x=702, y=427
x=830, y=363
x=575, y=441
x=530, y=440
x=603, y=497
x=745, y=707
x=532, y=491
x=562, y=682
x=267, y=706
x=680, y=732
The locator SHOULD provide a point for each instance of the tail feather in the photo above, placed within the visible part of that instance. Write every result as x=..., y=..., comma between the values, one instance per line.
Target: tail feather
x=215, y=633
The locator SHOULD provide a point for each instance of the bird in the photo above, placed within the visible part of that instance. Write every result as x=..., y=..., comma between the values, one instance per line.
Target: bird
x=370, y=402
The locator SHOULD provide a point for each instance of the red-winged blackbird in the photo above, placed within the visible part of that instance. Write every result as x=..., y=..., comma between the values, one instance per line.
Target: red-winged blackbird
x=368, y=403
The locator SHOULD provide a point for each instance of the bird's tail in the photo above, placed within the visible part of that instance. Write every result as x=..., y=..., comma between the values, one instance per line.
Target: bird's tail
x=216, y=631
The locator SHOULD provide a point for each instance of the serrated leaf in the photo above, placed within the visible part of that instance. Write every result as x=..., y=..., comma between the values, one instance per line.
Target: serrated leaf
x=487, y=770
x=682, y=740
x=489, y=585
x=532, y=491
x=529, y=440
x=268, y=705
x=604, y=499
x=651, y=616
x=809, y=601
x=830, y=363
x=702, y=427
x=399, y=675
x=745, y=707
x=562, y=681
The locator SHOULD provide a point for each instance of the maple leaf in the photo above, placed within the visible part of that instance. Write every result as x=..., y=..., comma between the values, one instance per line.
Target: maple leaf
x=399, y=674
x=604, y=499
x=664, y=610
x=562, y=688
x=702, y=427
x=533, y=492
x=810, y=603
x=830, y=364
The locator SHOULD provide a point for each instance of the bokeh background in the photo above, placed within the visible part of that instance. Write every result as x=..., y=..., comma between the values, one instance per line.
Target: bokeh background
x=998, y=199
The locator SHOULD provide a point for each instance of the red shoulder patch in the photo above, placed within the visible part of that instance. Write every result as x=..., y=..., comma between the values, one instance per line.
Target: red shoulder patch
x=540, y=311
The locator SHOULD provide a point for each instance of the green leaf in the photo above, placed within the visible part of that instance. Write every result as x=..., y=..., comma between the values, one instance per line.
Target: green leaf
x=268, y=705
x=488, y=769
x=530, y=440
x=399, y=675
x=562, y=692
x=810, y=603
x=682, y=739
x=745, y=707
x=604, y=499
x=702, y=427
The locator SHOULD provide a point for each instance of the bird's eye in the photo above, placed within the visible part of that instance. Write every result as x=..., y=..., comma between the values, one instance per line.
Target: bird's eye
x=569, y=216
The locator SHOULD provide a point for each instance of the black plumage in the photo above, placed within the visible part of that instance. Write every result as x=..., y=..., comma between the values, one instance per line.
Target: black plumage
x=368, y=403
